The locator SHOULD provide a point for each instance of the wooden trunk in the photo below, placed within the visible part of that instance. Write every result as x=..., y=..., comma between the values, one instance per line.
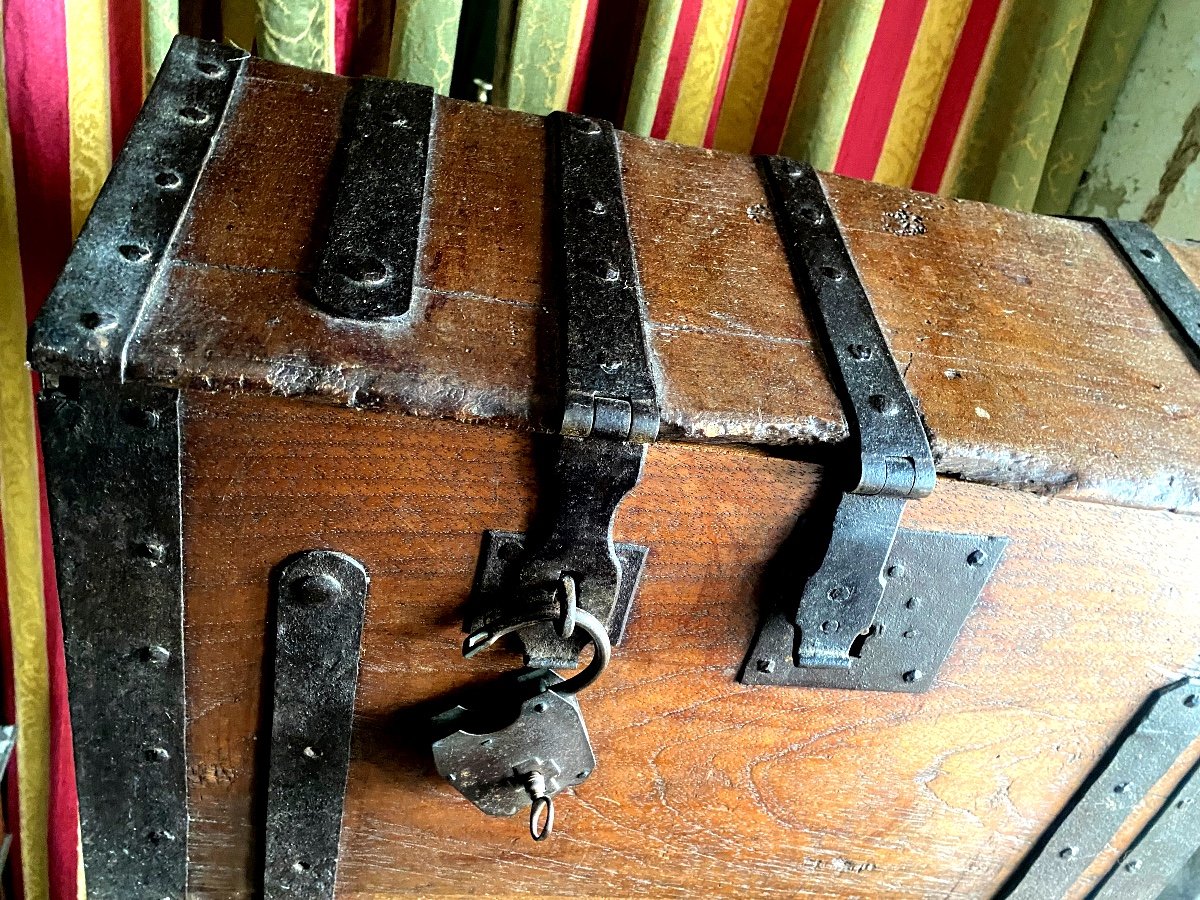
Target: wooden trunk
x=1063, y=411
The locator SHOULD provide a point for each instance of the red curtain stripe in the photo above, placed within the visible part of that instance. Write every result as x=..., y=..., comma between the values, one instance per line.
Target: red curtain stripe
x=681, y=49
x=785, y=75
x=735, y=31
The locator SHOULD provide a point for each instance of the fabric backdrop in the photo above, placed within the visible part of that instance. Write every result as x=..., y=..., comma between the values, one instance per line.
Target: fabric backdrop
x=1081, y=106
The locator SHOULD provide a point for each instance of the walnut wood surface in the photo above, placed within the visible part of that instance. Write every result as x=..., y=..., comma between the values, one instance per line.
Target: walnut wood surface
x=704, y=787
x=1037, y=359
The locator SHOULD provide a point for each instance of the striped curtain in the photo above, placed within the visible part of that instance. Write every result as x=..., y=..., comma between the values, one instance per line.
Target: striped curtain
x=1081, y=106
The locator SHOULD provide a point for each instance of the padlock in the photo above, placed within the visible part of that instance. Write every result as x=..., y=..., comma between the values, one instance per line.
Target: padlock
x=517, y=747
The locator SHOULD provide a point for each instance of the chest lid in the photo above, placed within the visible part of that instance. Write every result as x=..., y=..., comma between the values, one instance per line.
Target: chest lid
x=1035, y=354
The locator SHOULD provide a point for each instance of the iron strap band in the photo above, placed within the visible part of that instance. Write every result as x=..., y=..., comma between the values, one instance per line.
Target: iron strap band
x=1156, y=270
x=1162, y=729
x=320, y=602
x=370, y=253
x=92, y=313
x=113, y=483
x=609, y=387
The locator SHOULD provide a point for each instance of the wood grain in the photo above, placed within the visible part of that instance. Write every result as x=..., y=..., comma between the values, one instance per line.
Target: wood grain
x=703, y=787
x=1038, y=361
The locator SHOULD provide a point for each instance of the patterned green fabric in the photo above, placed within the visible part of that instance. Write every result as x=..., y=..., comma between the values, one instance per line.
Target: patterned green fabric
x=541, y=61
x=297, y=32
x=1112, y=37
x=1010, y=133
x=661, y=16
x=160, y=25
x=424, y=36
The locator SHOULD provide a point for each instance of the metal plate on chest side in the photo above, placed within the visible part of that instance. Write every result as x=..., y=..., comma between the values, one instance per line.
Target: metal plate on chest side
x=1162, y=729
x=933, y=581
x=320, y=601
x=112, y=476
x=500, y=558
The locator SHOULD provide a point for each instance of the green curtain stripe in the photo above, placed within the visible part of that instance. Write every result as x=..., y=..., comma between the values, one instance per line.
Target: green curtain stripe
x=541, y=61
x=837, y=55
x=1111, y=39
x=424, y=35
x=160, y=24
x=658, y=33
x=296, y=32
x=1009, y=137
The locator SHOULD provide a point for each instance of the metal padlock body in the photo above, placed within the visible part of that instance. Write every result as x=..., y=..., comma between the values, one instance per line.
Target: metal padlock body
x=490, y=765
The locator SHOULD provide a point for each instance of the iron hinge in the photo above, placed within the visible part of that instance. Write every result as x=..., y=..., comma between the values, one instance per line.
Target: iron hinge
x=610, y=413
x=820, y=638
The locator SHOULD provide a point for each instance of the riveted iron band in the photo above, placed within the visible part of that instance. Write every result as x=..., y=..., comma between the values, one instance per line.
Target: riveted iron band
x=92, y=312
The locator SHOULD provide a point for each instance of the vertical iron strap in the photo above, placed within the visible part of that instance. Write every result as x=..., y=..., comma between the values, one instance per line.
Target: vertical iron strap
x=320, y=601
x=1159, y=274
x=92, y=312
x=112, y=476
x=609, y=385
x=370, y=253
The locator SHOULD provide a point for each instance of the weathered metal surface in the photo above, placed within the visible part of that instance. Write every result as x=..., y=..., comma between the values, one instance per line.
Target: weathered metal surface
x=1154, y=738
x=933, y=581
x=609, y=387
x=320, y=601
x=90, y=316
x=1161, y=850
x=370, y=252
x=499, y=560
x=1160, y=275
x=113, y=480
x=522, y=727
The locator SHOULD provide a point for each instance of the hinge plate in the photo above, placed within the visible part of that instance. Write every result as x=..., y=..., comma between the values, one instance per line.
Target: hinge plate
x=932, y=583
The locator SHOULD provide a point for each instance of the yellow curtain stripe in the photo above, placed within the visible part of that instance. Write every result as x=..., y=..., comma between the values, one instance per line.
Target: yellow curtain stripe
x=749, y=74
x=20, y=501
x=932, y=54
x=842, y=38
x=88, y=103
x=699, y=83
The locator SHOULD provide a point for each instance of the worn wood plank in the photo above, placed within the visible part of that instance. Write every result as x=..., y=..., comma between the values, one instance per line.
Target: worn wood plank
x=704, y=787
x=1037, y=361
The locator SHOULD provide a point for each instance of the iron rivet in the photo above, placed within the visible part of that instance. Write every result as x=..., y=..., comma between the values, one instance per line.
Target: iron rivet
x=400, y=122
x=1133, y=865
x=150, y=550
x=1148, y=253
x=584, y=774
x=91, y=320
x=452, y=777
x=832, y=273
x=309, y=752
x=168, y=180
x=1186, y=801
x=885, y=406
x=157, y=655
x=134, y=253
x=486, y=742
x=830, y=625
x=194, y=115
x=139, y=416
x=976, y=558
x=841, y=592
x=157, y=837
x=811, y=213
x=913, y=602
x=322, y=588
x=158, y=753
x=913, y=675
x=859, y=351
x=911, y=633
x=1191, y=700
x=539, y=707
x=1121, y=788
x=611, y=274
x=766, y=665
x=299, y=867
x=210, y=69
x=367, y=271
x=598, y=207
x=897, y=571
x=1067, y=853
x=587, y=126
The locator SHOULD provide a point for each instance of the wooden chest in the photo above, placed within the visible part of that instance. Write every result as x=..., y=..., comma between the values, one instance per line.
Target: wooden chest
x=338, y=370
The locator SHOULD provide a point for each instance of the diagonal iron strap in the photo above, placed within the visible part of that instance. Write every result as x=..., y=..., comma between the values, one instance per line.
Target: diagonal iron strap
x=1159, y=274
x=370, y=253
x=1163, y=728
x=319, y=608
x=840, y=599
